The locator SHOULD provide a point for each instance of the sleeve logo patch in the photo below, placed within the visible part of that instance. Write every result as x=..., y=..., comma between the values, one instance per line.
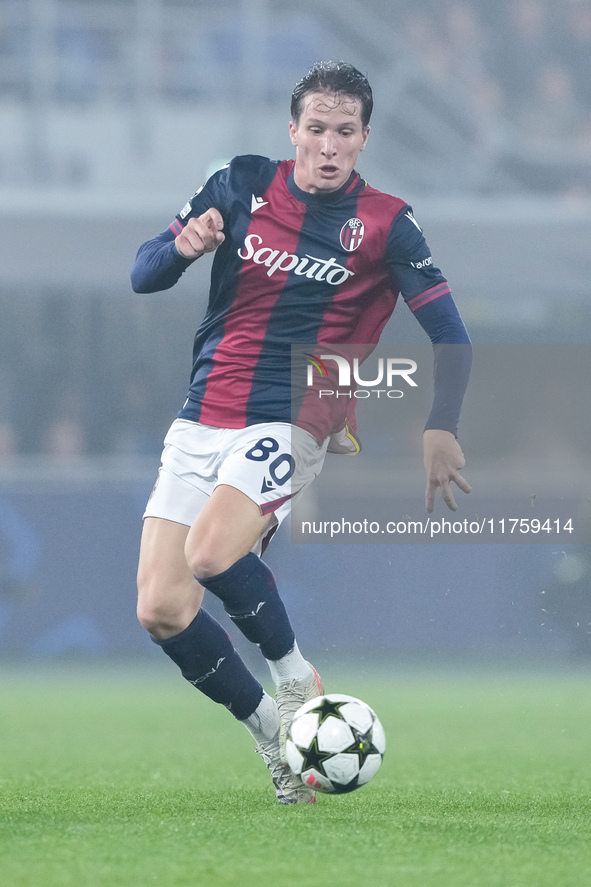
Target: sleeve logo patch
x=352, y=234
x=424, y=264
x=412, y=219
x=186, y=210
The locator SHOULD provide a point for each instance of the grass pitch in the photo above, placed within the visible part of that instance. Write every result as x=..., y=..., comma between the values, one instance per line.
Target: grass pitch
x=125, y=779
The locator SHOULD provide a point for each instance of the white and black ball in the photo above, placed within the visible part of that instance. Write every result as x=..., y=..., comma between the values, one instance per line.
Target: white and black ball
x=335, y=743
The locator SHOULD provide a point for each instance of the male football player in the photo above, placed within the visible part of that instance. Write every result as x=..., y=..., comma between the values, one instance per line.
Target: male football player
x=305, y=252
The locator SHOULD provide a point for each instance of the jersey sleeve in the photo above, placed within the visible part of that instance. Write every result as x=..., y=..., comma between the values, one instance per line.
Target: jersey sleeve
x=427, y=294
x=158, y=264
x=410, y=263
x=214, y=193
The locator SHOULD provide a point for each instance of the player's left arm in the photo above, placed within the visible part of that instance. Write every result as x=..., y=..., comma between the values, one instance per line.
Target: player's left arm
x=443, y=459
x=428, y=296
x=452, y=361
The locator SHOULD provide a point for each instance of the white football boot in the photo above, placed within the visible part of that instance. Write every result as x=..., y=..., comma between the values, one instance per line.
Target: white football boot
x=288, y=788
x=290, y=696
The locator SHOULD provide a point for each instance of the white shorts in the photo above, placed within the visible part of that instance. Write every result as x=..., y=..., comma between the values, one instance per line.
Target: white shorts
x=270, y=463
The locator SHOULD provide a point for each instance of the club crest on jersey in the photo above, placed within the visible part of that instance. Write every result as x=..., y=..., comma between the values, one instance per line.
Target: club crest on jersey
x=352, y=234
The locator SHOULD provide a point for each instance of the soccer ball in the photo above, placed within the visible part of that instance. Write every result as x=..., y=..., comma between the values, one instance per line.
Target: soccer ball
x=335, y=743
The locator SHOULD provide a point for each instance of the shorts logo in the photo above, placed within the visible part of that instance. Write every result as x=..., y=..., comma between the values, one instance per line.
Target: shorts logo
x=352, y=234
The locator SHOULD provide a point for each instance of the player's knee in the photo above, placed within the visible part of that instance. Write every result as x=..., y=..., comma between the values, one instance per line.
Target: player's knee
x=206, y=560
x=151, y=616
x=161, y=619
x=158, y=611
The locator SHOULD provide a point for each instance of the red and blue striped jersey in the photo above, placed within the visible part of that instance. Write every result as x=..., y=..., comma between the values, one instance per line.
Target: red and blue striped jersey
x=297, y=267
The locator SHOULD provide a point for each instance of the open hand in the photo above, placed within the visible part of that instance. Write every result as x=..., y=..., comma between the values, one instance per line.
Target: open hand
x=443, y=459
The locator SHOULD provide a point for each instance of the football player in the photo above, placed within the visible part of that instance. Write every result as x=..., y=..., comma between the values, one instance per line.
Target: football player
x=305, y=252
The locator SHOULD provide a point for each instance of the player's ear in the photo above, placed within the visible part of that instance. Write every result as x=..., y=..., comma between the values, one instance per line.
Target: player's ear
x=293, y=133
x=365, y=138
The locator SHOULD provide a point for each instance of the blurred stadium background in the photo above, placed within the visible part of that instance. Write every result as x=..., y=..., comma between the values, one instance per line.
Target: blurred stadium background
x=112, y=113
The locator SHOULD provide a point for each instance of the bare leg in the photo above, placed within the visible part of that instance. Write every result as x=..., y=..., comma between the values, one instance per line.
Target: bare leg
x=169, y=596
x=169, y=607
x=227, y=528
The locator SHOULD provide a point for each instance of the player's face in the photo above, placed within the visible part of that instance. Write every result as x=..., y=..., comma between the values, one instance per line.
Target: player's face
x=328, y=138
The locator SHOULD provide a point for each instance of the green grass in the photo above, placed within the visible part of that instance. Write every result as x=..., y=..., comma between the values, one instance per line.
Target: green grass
x=135, y=780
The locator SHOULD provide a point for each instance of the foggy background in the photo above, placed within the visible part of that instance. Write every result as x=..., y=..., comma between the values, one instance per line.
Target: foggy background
x=112, y=114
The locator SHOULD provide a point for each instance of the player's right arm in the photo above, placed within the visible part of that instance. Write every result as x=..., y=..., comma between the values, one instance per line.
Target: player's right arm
x=196, y=230
x=200, y=235
x=161, y=261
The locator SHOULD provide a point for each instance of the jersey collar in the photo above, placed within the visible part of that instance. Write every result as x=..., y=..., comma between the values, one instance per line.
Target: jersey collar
x=330, y=197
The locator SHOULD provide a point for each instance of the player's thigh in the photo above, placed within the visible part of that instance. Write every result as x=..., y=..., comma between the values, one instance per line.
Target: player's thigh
x=262, y=468
x=162, y=553
x=228, y=526
x=168, y=592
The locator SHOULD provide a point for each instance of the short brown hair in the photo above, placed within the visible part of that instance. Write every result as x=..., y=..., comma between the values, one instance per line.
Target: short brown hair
x=339, y=78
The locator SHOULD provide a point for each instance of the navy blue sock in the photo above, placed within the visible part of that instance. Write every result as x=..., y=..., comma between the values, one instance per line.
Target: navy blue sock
x=207, y=659
x=250, y=598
